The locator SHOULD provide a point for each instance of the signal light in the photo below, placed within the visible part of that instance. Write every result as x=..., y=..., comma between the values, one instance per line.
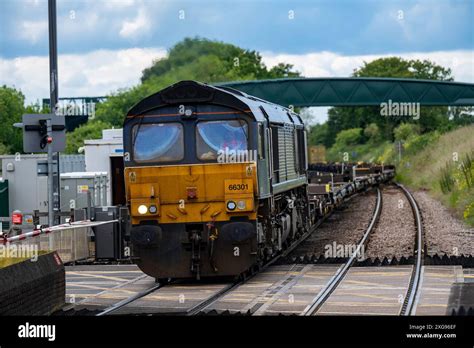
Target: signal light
x=142, y=209
x=231, y=205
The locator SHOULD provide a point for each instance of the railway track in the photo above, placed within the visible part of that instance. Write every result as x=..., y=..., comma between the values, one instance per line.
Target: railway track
x=262, y=303
x=209, y=301
x=342, y=271
x=408, y=306
x=201, y=307
x=257, y=307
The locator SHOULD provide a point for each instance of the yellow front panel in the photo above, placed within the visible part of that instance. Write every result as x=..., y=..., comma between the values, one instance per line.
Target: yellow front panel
x=144, y=190
x=210, y=183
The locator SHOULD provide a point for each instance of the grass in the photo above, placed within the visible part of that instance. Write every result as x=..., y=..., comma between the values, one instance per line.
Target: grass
x=443, y=164
x=8, y=261
x=432, y=159
x=358, y=153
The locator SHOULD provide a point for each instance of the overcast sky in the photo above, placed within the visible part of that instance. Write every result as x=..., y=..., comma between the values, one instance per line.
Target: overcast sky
x=105, y=44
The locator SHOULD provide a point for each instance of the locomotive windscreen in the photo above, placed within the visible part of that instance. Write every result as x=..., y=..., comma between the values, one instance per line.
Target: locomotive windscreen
x=159, y=142
x=215, y=136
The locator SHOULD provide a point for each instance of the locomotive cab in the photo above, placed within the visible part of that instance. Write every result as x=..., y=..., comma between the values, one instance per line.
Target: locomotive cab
x=200, y=180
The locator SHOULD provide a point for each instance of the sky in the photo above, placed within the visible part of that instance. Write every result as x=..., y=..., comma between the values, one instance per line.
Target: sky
x=104, y=45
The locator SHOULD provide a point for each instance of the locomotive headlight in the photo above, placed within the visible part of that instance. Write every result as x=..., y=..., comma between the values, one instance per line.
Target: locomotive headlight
x=241, y=205
x=142, y=209
x=231, y=205
x=153, y=209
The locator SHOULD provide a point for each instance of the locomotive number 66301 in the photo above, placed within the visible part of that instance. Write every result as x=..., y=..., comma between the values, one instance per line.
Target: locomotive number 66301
x=238, y=187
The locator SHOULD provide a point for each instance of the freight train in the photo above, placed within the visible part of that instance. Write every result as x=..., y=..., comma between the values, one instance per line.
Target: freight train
x=217, y=181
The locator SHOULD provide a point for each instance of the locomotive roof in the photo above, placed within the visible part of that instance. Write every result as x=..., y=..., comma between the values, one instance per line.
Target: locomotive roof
x=184, y=92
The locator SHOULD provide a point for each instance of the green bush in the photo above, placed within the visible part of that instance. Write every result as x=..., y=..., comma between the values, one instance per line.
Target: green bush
x=90, y=130
x=446, y=182
x=372, y=133
x=406, y=131
x=11, y=110
x=418, y=143
x=349, y=137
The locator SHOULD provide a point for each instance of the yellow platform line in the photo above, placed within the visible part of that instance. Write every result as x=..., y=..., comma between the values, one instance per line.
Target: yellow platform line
x=99, y=276
x=359, y=304
x=89, y=287
x=368, y=296
x=92, y=271
x=358, y=313
x=361, y=282
x=433, y=305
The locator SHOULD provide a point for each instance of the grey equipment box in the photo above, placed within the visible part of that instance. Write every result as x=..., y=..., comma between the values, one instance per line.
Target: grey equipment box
x=78, y=187
x=110, y=238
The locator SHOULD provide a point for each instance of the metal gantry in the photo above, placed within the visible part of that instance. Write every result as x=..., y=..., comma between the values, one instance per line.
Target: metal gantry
x=357, y=91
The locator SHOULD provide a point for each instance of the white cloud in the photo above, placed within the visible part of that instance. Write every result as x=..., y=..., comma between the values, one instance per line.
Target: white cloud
x=95, y=73
x=118, y=4
x=136, y=27
x=100, y=72
x=329, y=64
x=32, y=2
x=32, y=31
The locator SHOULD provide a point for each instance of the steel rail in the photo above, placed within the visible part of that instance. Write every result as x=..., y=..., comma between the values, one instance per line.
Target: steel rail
x=208, y=302
x=198, y=308
x=335, y=280
x=130, y=299
x=409, y=307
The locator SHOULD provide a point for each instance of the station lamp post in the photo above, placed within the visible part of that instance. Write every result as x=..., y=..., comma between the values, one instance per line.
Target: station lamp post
x=53, y=197
x=46, y=132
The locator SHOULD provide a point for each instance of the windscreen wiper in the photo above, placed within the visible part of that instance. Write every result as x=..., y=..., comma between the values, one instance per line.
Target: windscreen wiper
x=138, y=129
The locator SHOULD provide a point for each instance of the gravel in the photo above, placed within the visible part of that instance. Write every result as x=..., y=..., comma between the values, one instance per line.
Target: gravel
x=394, y=235
x=444, y=234
x=345, y=227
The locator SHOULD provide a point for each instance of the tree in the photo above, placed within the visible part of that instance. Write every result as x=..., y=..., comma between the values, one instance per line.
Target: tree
x=372, y=133
x=318, y=134
x=11, y=111
x=282, y=70
x=191, y=59
x=349, y=137
x=232, y=58
x=461, y=115
x=4, y=150
x=90, y=130
x=406, y=131
x=432, y=118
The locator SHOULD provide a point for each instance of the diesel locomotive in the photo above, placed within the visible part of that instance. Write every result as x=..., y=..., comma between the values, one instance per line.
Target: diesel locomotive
x=216, y=181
